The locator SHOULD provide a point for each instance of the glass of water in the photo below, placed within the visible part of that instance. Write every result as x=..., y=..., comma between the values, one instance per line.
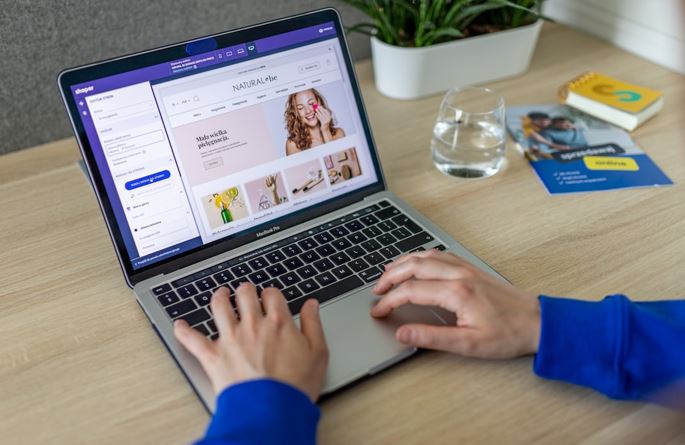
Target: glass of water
x=469, y=135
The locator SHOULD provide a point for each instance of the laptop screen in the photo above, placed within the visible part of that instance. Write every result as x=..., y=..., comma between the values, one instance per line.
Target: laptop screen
x=207, y=147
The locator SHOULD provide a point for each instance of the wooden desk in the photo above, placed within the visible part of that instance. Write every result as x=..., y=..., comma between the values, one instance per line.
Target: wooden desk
x=79, y=362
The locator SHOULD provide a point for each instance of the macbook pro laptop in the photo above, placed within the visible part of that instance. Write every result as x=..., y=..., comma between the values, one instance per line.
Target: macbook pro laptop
x=248, y=156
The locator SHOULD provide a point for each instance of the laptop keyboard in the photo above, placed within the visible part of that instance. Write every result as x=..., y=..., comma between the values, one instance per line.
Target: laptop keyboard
x=323, y=263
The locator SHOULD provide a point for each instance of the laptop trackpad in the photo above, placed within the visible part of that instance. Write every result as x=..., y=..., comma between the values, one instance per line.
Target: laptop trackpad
x=360, y=344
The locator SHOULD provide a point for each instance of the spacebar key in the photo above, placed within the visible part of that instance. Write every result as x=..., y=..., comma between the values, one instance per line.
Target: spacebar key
x=413, y=242
x=327, y=293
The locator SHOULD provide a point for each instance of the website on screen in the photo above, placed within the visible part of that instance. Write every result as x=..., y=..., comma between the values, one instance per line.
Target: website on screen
x=208, y=155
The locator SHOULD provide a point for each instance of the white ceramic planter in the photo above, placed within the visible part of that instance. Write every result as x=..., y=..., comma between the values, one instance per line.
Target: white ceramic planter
x=408, y=73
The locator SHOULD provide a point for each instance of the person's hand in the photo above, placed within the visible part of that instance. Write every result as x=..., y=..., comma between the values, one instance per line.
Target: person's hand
x=271, y=182
x=494, y=319
x=264, y=343
x=325, y=117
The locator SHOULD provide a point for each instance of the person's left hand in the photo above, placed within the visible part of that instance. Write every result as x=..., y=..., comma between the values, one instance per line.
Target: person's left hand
x=264, y=343
x=325, y=117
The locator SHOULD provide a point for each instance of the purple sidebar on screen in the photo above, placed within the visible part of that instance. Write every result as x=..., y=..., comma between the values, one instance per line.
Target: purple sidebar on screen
x=185, y=66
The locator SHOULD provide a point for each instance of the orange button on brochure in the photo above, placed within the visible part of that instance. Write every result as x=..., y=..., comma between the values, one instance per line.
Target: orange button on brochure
x=610, y=163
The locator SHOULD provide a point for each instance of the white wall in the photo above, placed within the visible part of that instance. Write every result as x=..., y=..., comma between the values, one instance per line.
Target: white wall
x=653, y=29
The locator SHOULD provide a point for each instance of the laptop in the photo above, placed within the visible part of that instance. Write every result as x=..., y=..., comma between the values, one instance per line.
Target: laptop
x=248, y=156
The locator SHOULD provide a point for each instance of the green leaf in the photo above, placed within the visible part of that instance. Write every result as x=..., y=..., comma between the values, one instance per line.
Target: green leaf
x=440, y=33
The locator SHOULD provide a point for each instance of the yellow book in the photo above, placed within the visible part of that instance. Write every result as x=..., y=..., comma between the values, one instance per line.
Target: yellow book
x=623, y=104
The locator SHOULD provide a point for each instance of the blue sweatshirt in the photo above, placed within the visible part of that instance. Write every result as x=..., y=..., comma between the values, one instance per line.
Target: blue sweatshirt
x=622, y=349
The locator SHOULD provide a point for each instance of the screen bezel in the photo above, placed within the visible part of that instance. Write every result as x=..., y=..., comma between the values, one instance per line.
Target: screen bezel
x=119, y=65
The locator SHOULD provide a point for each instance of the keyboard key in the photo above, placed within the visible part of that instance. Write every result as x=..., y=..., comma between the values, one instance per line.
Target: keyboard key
x=440, y=247
x=371, y=245
x=341, y=272
x=241, y=270
x=181, y=308
x=205, y=284
x=372, y=231
x=339, y=231
x=187, y=291
x=307, y=244
x=353, y=226
x=341, y=244
x=386, y=226
x=387, y=213
x=202, y=329
x=414, y=241
x=219, y=287
x=325, y=250
x=357, y=238
x=390, y=252
x=196, y=317
x=235, y=283
x=258, y=277
x=276, y=270
x=211, y=325
x=290, y=278
x=370, y=274
x=310, y=257
x=307, y=271
x=323, y=265
x=401, y=233
x=355, y=251
x=402, y=220
x=214, y=336
x=292, y=250
x=386, y=239
x=384, y=204
x=275, y=257
x=161, y=289
x=308, y=286
x=203, y=299
x=325, y=279
x=340, y=258
x=168, y=298
x=323, y=237
x=223, y=277
x=369, y=220
x=374, y=258
x=358, y=265
x=292, y=293
x=274, y=282
x=258, y=263
x=293, y=263
x=327, y=293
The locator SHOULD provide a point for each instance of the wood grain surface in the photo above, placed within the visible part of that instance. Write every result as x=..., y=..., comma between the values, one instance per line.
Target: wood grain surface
x=79, y=363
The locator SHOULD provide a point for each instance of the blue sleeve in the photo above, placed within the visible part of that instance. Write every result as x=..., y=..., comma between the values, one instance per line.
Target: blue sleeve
x=262, y=412
x=623, y=349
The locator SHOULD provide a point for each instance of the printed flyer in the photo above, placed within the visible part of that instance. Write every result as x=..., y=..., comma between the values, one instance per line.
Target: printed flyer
x=573, y=152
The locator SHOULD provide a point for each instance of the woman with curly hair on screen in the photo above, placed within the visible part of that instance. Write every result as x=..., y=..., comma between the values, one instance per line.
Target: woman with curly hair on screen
x=309, y=122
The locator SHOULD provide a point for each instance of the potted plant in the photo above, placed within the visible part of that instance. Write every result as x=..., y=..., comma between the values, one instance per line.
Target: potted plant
x=422, y=47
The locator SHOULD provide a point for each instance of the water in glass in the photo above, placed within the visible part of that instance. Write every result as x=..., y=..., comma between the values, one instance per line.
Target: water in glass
x=469, y=136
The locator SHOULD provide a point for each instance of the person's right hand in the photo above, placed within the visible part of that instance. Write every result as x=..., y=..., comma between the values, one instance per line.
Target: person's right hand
x=263, y=343
x=494, y=319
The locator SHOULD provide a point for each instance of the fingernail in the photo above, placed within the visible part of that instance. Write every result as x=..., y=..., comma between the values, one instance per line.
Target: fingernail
x=404, y=335
x=315, y=304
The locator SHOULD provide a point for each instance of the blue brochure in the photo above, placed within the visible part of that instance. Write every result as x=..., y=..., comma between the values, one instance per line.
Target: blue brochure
x=573, y=152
